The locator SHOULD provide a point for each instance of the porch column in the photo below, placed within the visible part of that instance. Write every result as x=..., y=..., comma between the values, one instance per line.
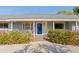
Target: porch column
x=76, y=26
x=23, y=29
x=11, y=26
x=30, y=28
x=34, y=28
x=46, y=27
x=53, y=25
x=64, y=26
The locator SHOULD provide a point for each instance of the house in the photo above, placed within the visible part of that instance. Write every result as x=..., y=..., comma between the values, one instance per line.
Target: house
x=38, y=23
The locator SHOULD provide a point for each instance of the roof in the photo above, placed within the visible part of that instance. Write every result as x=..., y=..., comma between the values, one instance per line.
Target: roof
x=39, y=16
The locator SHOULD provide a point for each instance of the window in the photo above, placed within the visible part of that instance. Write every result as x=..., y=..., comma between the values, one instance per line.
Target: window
x=4, y=25
x=59, y=26
x=1, y=25
x=27, y=26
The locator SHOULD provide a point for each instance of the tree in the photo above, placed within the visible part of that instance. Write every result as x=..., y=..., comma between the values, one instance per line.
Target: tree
x=76, y=10
x=65, y=12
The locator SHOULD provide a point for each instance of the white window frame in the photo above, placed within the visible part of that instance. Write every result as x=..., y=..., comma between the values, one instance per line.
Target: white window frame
x=25, y=27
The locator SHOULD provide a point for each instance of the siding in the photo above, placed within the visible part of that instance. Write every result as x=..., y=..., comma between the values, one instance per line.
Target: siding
x=17, y=26
x=50, y=25
x=44, y=28
x=70, y=26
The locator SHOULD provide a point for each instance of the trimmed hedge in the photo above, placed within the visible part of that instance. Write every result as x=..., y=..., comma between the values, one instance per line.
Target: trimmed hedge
x=64, y=37
x=15, y=38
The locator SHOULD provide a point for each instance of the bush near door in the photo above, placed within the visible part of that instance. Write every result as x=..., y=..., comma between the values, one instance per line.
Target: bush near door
x=64, y=37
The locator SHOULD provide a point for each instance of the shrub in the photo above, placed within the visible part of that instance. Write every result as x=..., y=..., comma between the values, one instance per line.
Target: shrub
x=15, y=37
x=64, y=37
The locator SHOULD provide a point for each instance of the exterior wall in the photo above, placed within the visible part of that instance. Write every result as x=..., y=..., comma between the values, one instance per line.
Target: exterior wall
x=70, y=26
x=6, y=29
x=46, y=25
x=67, y=25
x=9, y=25
x=77, y=26
x=21, y=26
x=49, y=25
x=73, y=26
x=17, y=26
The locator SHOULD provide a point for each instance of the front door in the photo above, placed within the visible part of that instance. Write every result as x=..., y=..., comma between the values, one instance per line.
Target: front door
x=39, y=28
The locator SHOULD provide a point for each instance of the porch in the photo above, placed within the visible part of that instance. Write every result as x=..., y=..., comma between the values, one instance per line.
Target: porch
x=38, y=27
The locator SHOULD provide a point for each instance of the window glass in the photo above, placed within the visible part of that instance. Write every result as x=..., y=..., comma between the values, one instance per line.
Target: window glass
x=4, y=25
x=27, y=26
x=1, y=25
x=59, y=26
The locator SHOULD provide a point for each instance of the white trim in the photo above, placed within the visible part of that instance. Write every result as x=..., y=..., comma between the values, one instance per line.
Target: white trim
x=53, y=25
x=59, y=20
x=41, y=20
x=5, y=29
x=11, y=28
x=76, y=26
x=64, y=26
x=34, y=28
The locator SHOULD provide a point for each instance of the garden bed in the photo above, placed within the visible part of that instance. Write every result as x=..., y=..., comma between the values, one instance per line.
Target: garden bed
x=64, y=37
x=15, y=38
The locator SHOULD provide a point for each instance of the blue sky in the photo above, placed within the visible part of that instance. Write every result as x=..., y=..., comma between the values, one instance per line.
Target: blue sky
x=33, y=9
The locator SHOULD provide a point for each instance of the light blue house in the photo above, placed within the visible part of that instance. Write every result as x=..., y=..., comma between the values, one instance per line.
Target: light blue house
x=38, y=23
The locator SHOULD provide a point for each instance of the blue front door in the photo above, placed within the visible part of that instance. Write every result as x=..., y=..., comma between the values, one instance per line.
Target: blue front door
x=39, y=28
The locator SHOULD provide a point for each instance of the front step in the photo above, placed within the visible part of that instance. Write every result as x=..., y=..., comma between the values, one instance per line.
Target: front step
x=39, y=38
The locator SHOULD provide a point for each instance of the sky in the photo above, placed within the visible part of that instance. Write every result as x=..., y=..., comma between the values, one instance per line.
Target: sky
x=33, y=9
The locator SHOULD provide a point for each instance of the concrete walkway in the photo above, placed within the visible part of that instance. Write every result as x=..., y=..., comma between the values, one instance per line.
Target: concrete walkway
x=39, y=38
x=16, y=47
x=11, y=48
